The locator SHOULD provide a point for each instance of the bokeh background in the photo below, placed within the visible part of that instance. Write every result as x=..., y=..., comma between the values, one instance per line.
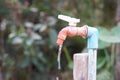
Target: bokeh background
x=28, y=34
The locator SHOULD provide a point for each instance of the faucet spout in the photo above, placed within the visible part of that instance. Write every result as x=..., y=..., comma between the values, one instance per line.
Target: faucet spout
x=71, y=31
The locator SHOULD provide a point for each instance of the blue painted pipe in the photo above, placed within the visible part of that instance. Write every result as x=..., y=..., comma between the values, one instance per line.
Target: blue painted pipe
x=92, y=36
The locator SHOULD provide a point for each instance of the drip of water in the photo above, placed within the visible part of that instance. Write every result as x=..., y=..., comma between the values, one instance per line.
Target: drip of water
x=58, y=59
x=57, y=78
x=59, y=56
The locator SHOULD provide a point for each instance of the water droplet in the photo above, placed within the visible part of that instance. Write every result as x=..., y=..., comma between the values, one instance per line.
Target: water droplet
x=57, y=78
x=59, y=56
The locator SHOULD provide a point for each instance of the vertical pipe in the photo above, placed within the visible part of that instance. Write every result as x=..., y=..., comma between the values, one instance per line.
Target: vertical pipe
x=92, y=62
x=92, y=51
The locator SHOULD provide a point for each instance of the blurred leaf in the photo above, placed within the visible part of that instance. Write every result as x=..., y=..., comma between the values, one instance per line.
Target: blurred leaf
x=15, y=1
x=8, y=75
x=53, y=37
x=4, y=23
x=25, y=63
x=11, y=35
x=100, y=62
x=26, y=52
x=40, y=27
x=51, y=21
x=105, y=75
x=34, y=9
x=22, y=35
x=42, y=57
x=67, y=55
x=35, y=36
x=107, y=57
x=28, y=24
x=21, y=30
x=69, y=60
x=17, y=40
x=70, y=65
x=4, y=11
x=38, y=65
x=29, y=42
x=110, y=36
x=116, y=30
x=102, y=44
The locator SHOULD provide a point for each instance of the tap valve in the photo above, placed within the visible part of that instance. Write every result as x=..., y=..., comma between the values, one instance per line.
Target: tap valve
x=70, y=20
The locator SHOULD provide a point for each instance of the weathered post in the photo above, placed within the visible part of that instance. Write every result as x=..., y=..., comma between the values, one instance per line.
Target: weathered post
x=80, y=67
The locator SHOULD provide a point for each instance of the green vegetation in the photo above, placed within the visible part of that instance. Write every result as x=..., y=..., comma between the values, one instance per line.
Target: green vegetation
x=28, y=34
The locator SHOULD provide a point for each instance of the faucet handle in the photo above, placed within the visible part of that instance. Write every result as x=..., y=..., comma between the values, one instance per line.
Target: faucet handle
x=72, y=21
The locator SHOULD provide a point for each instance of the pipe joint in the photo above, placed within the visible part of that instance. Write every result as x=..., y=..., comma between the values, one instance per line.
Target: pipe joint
x=92, y=38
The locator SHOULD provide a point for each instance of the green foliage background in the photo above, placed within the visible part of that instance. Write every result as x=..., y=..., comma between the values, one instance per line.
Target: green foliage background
x=28, y=34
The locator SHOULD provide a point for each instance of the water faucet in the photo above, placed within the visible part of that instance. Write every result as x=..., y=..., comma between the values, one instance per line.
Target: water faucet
x=90, y=32
x=71, y=31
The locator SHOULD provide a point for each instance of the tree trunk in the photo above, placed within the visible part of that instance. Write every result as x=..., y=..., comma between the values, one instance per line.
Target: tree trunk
x=117, y=65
